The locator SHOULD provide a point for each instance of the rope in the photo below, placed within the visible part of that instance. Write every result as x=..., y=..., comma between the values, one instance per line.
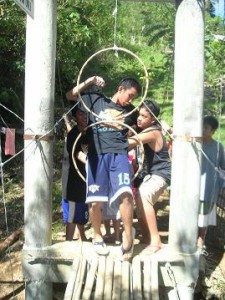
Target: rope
x=115, y=23
x=109, y=122
x=12, y=112
x=2, y=164
x=157, y=119
x=193, y=140
x=39, y=137
x=114, y=48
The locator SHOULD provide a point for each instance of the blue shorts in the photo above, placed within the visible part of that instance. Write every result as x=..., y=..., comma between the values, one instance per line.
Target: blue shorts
x=65, y=210
x=108, y=176
x=78, y=213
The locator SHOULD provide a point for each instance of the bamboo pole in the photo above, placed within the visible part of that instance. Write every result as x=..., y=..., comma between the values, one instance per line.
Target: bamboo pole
x=90, y=279
x=137, y=278
x=108, y=289
x=117, y=280
x=99, y=289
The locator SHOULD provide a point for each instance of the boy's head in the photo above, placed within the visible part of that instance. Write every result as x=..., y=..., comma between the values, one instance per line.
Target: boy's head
x=152, y=107
x=148, y=113
x=210, y=124
x=127, y=90
x=80, y=116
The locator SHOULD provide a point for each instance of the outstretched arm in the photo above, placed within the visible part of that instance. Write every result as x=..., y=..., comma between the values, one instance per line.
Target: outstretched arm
x=147, y=136
x=82, y=157
x=73, y=93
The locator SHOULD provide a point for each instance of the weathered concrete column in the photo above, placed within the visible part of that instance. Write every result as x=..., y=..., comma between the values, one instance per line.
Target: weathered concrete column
x=187, y=124
x=39, y=105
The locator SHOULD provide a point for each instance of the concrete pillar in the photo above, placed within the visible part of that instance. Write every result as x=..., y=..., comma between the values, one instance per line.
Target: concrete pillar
x=187, y=118
x=39, y=105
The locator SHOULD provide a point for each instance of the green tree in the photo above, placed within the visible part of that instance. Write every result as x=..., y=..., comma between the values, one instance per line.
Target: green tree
x=12, y=57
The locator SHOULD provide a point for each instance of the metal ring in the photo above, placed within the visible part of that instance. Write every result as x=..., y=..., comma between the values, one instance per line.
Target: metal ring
x=114, y=121
x=115, y=48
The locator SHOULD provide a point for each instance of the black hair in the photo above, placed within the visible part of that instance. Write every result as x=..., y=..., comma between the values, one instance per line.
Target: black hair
x=77, y=107
x=152, y=106
x=74, y=110
x=211, y=121
x=130, y=82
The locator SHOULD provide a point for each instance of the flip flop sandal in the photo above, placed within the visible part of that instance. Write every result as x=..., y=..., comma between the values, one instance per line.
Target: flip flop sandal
x=127, y=254
x=117, y=242
x=100, y=247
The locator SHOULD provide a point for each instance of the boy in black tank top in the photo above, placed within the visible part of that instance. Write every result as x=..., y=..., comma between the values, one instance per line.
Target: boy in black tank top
x=156, y=173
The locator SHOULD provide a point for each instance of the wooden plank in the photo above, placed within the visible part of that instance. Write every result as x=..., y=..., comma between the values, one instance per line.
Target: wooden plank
x=79, y=280
x=70, y=285
x=100, y=282
x=147, y=279
x=154, y=280
x=125, y=290
x=137, y=278
x=117, y=280
x=90, y=279
x=108, y=289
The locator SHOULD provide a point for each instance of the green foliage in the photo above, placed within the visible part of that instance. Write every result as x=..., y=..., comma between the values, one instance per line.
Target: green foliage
x=83, y=27
x=214, y=50
x=80, y=32
x=215, y=72
x=12, y=56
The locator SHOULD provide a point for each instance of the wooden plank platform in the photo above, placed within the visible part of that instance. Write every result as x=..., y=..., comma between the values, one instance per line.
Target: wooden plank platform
x=109, y=278
x=91, y=277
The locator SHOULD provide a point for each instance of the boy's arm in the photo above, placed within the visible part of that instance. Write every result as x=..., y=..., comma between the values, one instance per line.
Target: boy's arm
x=68, y=123
x=82, y=157
x=146, y=136
x=73, y=93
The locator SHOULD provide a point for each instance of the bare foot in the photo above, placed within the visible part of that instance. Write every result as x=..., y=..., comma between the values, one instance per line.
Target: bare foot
x=152, y=249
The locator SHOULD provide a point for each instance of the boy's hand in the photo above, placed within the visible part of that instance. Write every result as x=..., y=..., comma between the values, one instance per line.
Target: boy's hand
x=96, y=80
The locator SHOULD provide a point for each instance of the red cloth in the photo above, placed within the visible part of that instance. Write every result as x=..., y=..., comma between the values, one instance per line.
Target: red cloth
x=10, y=141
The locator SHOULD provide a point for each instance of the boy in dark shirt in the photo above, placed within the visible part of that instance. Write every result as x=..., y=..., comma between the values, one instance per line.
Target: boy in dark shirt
x=76, y=187
x=108, y=168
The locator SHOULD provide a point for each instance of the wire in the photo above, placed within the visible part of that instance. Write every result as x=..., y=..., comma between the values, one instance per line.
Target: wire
x=12, y=112
x=115, y=21
x=5, y=214
x=172, y=278
x=151, y=112
x=42, y=136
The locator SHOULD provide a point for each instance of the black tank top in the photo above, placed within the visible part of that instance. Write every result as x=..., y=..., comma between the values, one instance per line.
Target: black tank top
x=155, y=163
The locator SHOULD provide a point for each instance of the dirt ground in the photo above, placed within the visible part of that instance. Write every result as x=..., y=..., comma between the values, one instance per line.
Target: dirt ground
x=211, y=284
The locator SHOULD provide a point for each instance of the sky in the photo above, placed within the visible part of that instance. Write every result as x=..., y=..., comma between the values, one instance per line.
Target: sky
x=220, y=8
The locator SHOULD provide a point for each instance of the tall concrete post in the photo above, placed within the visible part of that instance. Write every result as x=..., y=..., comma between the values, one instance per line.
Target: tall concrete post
x=187, y=125
x=39, y=105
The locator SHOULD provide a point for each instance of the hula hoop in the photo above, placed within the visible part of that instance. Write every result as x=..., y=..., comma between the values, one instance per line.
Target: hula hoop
x=115, y=48
x=117, y=122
